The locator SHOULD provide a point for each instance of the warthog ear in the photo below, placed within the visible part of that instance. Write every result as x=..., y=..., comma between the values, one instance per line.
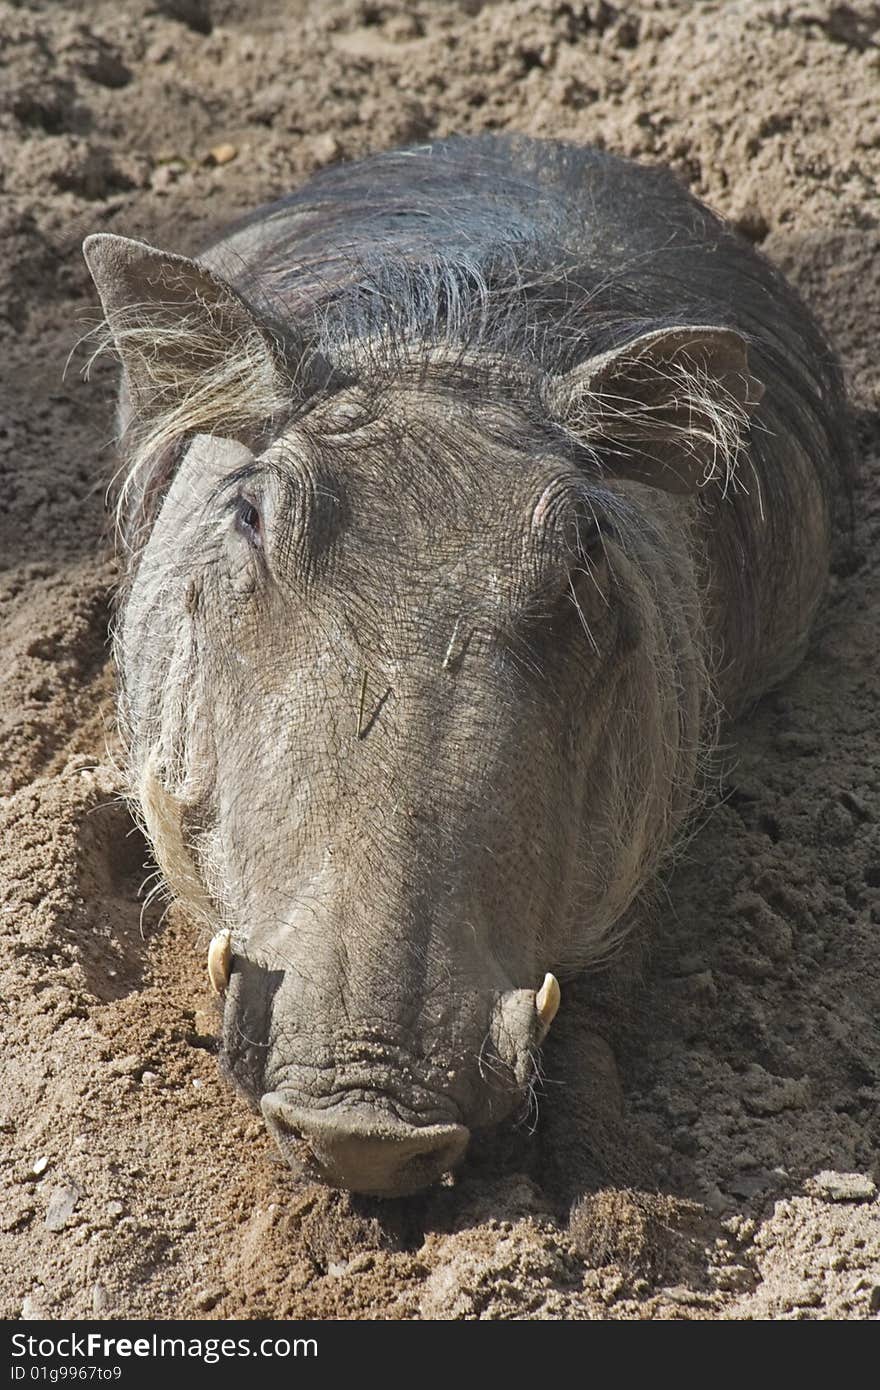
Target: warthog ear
x=192, y=349
x=670, y=408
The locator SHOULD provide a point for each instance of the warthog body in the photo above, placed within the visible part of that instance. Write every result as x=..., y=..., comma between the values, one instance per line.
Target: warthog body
x=463, y=490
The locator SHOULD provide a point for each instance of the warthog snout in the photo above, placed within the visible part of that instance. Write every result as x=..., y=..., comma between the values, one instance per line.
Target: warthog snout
x=379, y=1117
x=361, y=1149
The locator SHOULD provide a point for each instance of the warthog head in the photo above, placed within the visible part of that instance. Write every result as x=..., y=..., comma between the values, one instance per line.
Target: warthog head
x=413, y=686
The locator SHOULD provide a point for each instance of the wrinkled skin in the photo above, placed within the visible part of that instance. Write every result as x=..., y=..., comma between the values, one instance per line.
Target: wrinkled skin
x=421, y=649
x=381, y=892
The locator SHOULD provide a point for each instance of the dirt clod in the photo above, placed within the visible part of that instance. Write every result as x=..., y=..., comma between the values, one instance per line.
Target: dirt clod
x=62, y=1202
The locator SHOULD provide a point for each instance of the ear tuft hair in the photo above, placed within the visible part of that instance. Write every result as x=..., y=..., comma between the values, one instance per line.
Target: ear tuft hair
x=196, y=359
x=670, y=409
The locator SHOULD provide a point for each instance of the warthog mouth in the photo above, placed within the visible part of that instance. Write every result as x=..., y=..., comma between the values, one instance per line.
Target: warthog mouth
x=372, y=1106
x=361, y=1145
x=384, y=1090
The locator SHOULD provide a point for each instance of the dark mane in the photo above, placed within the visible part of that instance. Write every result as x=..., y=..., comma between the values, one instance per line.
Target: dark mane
x=542, y=255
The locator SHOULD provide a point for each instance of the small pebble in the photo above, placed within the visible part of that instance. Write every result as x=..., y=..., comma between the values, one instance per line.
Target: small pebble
x=149, y=1078
x=159, y=52
x=747, y=1185
x=223, y=154
x=62, y=1201
x=679, y=1293
x=40, y=1166
x=100, y=1299
x=162, y=178
x=125, y=1066
x=33, y=1309
x=325, y=148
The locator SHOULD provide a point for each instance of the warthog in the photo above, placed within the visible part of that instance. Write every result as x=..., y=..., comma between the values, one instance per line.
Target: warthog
x=463, y=491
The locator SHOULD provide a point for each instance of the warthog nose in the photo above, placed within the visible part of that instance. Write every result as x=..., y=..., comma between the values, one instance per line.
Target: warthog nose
x=364, y=1150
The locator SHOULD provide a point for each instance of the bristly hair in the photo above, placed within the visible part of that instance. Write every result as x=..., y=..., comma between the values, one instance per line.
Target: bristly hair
x=225, y=387
x=535, y=255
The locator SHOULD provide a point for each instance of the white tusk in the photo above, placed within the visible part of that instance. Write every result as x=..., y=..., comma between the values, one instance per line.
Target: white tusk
x=219, y=958
x=547, y=1000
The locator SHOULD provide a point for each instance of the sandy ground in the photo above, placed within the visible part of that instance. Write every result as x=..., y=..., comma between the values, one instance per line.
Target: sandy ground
x=711, y=1106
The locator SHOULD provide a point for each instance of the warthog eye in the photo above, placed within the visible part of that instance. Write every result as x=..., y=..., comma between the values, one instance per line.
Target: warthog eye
x=247, y=521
